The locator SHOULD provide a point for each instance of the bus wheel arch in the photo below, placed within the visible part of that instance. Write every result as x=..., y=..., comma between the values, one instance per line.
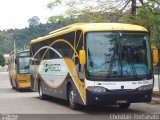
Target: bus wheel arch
x=70, y=97
x=40, y=90
x=67, y=89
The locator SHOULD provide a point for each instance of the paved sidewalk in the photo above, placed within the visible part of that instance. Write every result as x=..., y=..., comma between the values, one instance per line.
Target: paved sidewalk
x=155, y=100
x=156, y=97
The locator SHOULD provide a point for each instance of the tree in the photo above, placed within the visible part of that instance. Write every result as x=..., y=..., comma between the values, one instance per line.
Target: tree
x=2, y=60
x=83, y=10
x=22, y=37
x=34, y=21
x=97, y=10
x=141, y=12
x=147, y=15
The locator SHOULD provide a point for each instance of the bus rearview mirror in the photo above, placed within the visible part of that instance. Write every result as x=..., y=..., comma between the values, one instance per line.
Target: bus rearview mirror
x=82, y=57
x=155, y=57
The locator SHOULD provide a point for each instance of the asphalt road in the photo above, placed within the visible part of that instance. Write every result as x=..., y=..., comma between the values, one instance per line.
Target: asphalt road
x=27, y=105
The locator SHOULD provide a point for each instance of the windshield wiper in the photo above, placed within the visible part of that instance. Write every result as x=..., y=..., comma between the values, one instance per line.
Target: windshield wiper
x=133, y=70
x=129, y=60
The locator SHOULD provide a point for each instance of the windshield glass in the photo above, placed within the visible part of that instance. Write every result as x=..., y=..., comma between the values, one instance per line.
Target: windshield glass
x=24, y=63
x=118, y=54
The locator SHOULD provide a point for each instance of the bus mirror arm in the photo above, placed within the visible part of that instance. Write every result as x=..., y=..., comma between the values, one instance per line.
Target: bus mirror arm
x=82, y=80
x=81, y=73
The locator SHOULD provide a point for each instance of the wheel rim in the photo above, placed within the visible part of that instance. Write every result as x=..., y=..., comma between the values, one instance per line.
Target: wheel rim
x=71, y=98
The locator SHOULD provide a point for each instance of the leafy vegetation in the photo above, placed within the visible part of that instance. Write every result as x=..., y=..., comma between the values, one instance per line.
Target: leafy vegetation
x=22, y=37
x=2, y=60
x=141, y=12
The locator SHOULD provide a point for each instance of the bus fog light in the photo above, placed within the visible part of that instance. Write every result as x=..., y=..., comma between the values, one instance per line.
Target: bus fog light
x=145, y=87
x=96, y=98
x=96, y=89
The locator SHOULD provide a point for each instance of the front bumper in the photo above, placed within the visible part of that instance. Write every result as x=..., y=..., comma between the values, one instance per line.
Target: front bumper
x=26, y=85
x=111, y=97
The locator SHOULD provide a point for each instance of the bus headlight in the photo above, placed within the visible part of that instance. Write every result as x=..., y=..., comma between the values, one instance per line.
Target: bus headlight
x=145, y=87
x=96, y=89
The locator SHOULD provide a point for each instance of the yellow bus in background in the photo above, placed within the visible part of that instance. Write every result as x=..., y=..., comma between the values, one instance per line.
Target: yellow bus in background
x=19, y=71
x=94, y=63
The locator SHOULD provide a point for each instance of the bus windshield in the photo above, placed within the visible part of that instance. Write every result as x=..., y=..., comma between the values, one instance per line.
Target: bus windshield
x=118, y=54
x=24, y=64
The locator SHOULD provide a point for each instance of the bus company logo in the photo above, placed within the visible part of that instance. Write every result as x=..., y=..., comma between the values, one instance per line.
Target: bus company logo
x=51, y=67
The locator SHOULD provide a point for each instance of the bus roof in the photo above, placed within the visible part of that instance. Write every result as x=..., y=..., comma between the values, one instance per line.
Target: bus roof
x=86, y=27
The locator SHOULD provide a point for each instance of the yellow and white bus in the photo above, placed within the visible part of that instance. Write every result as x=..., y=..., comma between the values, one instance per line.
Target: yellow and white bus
x=19, y=71
x=94, y=63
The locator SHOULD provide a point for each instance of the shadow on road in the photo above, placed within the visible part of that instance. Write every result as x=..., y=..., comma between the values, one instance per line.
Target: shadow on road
x=21, y=90
x=105, y=109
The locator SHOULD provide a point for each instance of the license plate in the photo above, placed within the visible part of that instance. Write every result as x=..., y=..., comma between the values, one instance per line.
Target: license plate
x=121, y=101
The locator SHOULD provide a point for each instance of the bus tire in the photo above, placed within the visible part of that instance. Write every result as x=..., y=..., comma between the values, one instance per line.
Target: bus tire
x=71, y=99
x=40, y=91
x=11, y=83
x=124, y=106
x=17, y=88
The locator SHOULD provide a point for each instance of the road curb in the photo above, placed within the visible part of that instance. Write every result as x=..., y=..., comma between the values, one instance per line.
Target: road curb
x=155, y=100
x=156, y=97
x=156, y=93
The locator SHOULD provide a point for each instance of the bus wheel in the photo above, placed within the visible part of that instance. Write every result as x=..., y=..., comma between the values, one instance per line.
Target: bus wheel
x=125, y=106
x=71, y=99
x=12, y=86
x=11, y=83
x=17, y=87
x=40, y=90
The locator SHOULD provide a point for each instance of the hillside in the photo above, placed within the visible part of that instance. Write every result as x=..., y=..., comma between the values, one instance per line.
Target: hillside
x=22, y=37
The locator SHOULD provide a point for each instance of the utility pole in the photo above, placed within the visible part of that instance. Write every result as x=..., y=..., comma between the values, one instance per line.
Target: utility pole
x=133, y=7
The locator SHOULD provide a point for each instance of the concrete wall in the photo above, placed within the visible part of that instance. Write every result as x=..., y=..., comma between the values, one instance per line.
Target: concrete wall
x=156, y=83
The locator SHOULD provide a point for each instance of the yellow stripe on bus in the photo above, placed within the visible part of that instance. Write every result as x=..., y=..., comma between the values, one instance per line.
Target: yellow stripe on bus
x=80, y=85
